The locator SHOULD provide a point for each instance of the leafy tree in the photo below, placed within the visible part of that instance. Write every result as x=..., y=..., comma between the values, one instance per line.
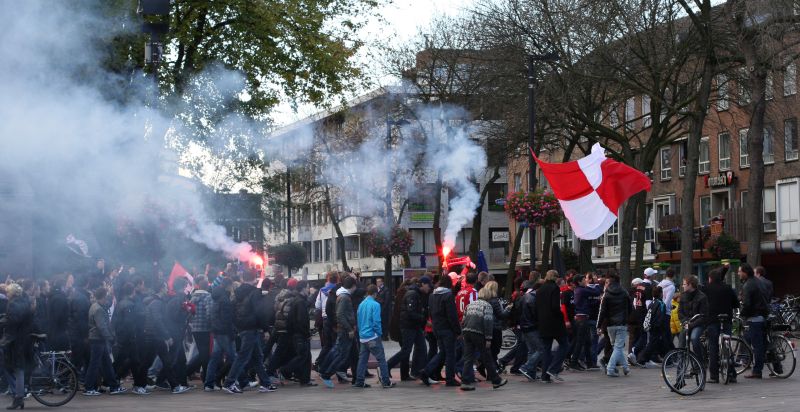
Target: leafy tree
x=290, y=255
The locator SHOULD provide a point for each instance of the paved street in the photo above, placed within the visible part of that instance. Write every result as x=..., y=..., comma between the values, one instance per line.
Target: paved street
x=642, y=390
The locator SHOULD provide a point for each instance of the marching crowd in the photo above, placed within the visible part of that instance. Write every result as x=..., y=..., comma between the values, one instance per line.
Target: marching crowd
x=255, y=333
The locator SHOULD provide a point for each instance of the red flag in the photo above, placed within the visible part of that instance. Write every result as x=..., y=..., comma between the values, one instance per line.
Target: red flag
x=177, y=271
x=592, y=189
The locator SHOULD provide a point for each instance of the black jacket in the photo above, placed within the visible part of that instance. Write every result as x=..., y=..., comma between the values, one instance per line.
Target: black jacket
x=177, y=318
x=265, y=308
x=299, y=323
x=412, y=311
x=501, y=314
x=527, y=313
x=79, y=305
x=691, y=304
x=221, y=312
x=615, y=306
x=722, y=300
x=123, y=321
x=58, y=306
x=548, y=311
x=442, y=306
x=245, y=317
x=155, y=327
x=17, y=324
x=754, y=300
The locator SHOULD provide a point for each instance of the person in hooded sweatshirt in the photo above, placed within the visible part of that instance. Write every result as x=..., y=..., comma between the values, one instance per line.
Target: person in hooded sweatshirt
x=100, y=336
x=339, y=357
x=413, y=317
x=478, y=327
x=447, y=328
x=328, y=334
x=158, y=340
x=222, y=329
x=615, y=307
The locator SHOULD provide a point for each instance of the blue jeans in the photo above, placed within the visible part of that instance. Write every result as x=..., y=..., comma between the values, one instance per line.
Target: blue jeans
x=100, y=363
x=697, y=346
x=411, y=338
x=249, y=350
x=755, y=334
x=223, y=345
x=554, y=363
x=375, y=347
x=618, y=336
x=447, y=350
x=534, y=345
x=338, y=356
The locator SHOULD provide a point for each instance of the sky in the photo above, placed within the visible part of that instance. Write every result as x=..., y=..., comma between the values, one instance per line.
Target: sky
x=401, y=20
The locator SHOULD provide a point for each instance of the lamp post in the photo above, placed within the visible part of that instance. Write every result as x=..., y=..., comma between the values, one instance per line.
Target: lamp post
x=387, y=263
x=532, y=58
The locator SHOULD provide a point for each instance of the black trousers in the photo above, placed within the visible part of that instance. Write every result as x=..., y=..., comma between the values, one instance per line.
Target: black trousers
x=156, y=347
x=127, y=359
x=200, y=362
x=300, y=364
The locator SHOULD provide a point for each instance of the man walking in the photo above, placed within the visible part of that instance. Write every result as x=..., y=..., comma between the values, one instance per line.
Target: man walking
x=550, y=321
x=755, y=309
x=345, y=319
x=615, y=307
x=370, y=334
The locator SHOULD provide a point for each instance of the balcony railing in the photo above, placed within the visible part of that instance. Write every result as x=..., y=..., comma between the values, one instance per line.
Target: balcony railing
x=668, y=236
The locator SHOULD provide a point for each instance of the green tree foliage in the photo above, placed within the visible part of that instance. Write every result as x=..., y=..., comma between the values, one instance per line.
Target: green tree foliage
x=290, y=255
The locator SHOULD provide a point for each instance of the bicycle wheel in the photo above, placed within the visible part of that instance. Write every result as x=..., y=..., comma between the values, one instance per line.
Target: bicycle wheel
x=54, y=384
x=780, y=357
x=725, y=360
x=742, y=354
x=683, y=373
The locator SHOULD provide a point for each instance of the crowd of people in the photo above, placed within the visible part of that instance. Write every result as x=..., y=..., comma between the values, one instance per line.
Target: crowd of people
x=253, y=332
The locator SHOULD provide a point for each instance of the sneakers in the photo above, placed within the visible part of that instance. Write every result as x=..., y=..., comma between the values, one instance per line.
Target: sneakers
x=91, y=393
x=612, y=374
x=388, y=385
x=651, y=365
x=632, y=360
x=626, y=371
x=467, y=387
x=162, y=386
x=267, y=389
x=362, y=385
x=432, y=381
x=232, y=389
x=140, y=390
x=554, y=377
x=327, y=382
x=531, y=376
x=180, y=389
x=117, y=391
x=208, y=389
x=502, y=382
x=424, y=378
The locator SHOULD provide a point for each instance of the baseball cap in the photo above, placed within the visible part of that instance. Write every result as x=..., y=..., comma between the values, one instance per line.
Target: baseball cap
x=425, y=280
x=291, y=283
x=636, y=281
x=650, y=272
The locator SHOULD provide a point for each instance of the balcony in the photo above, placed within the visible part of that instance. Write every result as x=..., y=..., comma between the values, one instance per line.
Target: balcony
x=668, y=237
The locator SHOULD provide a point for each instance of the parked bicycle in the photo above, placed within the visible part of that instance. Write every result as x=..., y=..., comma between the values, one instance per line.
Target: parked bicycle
x=54, y=380
x=741, y=354
x=682, y=370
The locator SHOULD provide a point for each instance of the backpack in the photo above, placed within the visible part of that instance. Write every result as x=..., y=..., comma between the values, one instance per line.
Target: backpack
x=265, y=310
x=283, y=314
x=655, y=316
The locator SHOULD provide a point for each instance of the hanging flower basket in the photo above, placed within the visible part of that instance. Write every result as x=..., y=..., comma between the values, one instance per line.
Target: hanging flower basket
x=538, y=208
x=398, y=242
x=724, y=246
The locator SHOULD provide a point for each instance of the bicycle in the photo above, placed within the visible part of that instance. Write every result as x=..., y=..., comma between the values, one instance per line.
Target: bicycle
x=682, y=370
x=780, y=358
x=54, y=380
x=740, y=355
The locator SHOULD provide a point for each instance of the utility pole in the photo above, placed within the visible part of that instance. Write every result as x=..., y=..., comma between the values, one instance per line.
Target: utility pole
x=288, y=206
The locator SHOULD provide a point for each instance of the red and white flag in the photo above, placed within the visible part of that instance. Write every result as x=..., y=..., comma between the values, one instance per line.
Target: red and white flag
x=592, y=189
x=179, y=271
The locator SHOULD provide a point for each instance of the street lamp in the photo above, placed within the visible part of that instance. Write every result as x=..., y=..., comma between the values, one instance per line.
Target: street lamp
x=532, y=58
x=387, y=264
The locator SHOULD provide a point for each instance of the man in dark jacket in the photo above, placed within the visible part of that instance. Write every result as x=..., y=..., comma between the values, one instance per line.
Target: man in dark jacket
x=300, y=333
x=200, y=326
x=413, y=315
x=222, y=330
x=58, y=308
x=755, y=309
x=79, y=304
x=444, y=317
x=126, y=353
x=528, y=324
x=158, y=340
x=339, y=357
x=177, y=322
x=100, y=336
x=550, y=322
x=615, y=308
x=584, y=298
x=722, y=300
x=282, y=326
x=693, y=303
x=246, y=321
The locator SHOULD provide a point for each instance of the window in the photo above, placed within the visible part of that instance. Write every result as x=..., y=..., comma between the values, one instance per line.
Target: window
x=424, y=200
x=462, y=241
x=236, y=234
x=744, y=87
x=646, y=111
x=251, y=233
x=328, y=250
x=612, y=236
x=722, y=93
x=724, y=143
x=705, y=210
x=351, y=248
x=517, y=182
x=744, y=157
x=790, y=138
x=666, y=163
x=418, y=236
x=496, y=192
x=525, y=243
x=769, y=88
x=613, y=117
x=317, y=251
x=564, y=237
x=769, y=210
x=743, y=203
x=649, y=230
x=630, y=113
x=307, y=247
x=704, y=161
x=790, y=79
x=768, y=152
x=682, y=148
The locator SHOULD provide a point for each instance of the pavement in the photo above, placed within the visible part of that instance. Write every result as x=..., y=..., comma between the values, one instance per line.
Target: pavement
x=643, y=389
